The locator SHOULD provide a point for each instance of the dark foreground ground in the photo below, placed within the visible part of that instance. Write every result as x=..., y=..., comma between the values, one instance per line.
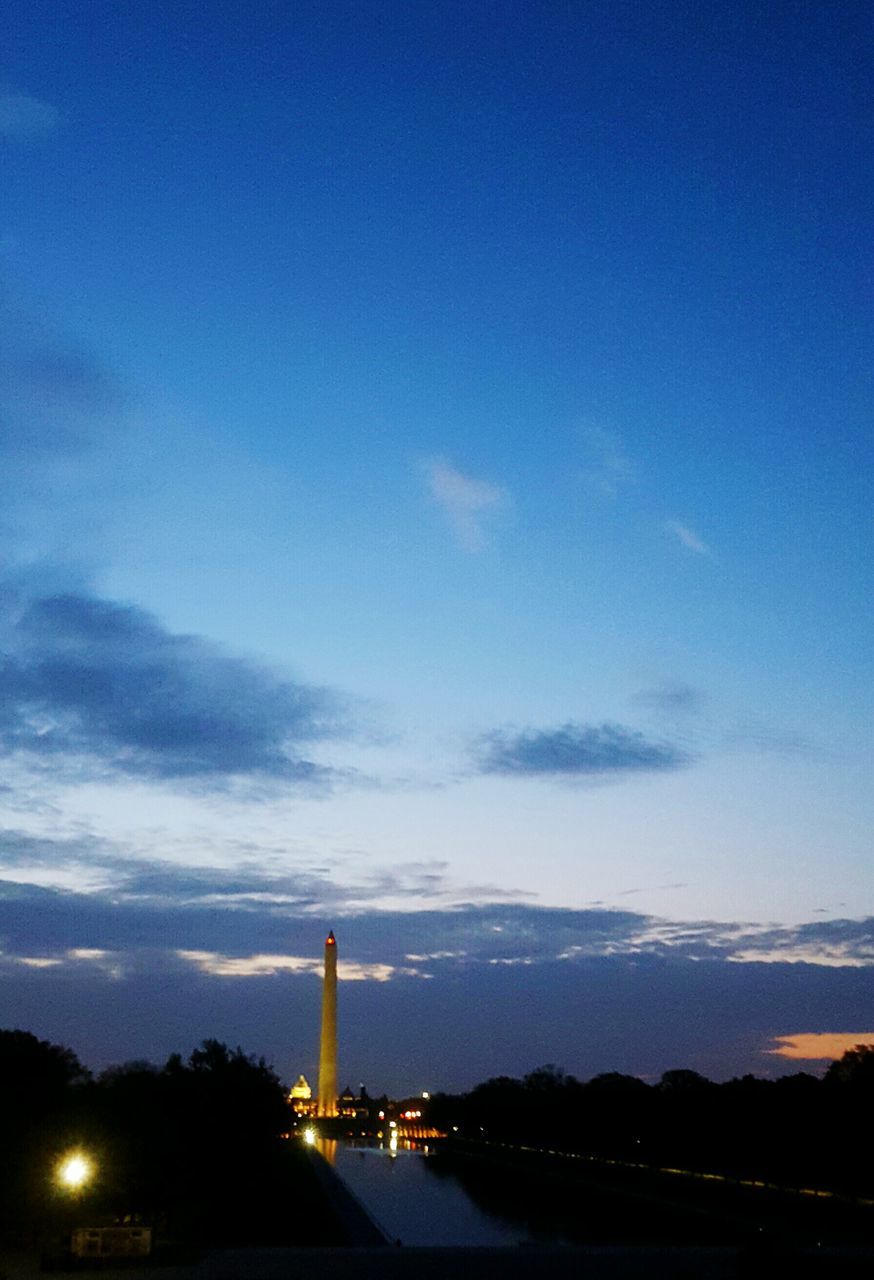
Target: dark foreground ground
x=631, y=1221
x=487, y=1264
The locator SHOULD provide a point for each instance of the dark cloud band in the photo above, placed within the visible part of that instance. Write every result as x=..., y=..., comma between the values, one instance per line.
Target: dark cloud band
x=121, y=981
x=575, y=750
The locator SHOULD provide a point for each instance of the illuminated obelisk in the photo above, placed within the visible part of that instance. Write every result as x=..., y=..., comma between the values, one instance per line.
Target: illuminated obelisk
x=328, y=1052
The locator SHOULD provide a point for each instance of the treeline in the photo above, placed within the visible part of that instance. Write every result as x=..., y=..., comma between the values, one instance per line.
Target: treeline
x=798, y=1130
x=193, y=1148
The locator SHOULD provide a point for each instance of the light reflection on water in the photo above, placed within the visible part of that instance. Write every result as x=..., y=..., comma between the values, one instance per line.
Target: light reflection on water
x=327, y=1148
x=416, y=1206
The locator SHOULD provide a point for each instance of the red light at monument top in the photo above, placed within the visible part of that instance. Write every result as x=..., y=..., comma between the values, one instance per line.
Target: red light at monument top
x=330, y=941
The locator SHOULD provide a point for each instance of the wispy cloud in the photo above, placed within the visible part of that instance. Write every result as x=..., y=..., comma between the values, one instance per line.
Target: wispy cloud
x=670, y=697
x=220, y=966
x=754, y=735
x=466, y=502
x=94, y=957
x=85, y=679
x=54, y=395
x=575, y=749
x=237, y=880
x=608, y=467
x=58, y=406
x=688, y=537
x=25, y=117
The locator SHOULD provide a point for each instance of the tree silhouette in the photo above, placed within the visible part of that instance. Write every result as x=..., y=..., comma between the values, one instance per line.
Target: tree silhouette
x=855, y=1069
x=38, y=1084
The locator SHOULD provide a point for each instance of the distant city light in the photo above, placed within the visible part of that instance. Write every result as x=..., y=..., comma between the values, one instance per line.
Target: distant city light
x=74, y=1171
x=309, y=1136
x=425, y=1094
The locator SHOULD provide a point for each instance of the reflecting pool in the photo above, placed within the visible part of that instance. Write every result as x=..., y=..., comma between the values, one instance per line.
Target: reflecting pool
x=414, y=1197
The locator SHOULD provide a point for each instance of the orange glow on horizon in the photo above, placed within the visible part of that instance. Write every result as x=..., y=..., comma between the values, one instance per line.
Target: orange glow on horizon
x=819, y=1046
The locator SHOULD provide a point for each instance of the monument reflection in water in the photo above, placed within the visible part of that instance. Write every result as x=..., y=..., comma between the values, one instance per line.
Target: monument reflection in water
x=449, y=1198
x=417, y=1199
x=327, y=1149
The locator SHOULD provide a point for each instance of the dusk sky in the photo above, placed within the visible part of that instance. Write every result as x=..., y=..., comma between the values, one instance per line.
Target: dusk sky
x=436, y=481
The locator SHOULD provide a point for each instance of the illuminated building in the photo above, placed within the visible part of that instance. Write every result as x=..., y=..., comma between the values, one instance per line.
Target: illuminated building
x=327, y=1103
x=300, y=1096
x=348, y=1105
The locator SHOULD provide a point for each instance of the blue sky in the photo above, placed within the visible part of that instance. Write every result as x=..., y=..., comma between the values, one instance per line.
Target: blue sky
x=436, y=481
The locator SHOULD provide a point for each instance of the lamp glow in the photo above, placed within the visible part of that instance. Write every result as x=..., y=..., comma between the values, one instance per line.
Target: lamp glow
x=74, y=1171
x=309, y=1137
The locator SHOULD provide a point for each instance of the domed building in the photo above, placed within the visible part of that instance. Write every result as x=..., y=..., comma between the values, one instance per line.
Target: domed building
x=301, y=1097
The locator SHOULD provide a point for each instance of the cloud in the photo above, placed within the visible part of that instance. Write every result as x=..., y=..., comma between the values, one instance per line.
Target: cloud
x=23, y=117
x=671, y=696
x=58, y=405
x=91, y=682
x=638, y=1012
x=286, y=916
x=834, y=943
x=103, y=961
x=110, y=899
x=609, y=467
x=575, y=750
x=756, y=736
x=117, y=975
x=92, y=685
x=819, y=1046
x=152, y=957
x=95, y=867
x=260, y=965
x=466, y=502
x=54, y=395
x=244, y=912
x=688, y=537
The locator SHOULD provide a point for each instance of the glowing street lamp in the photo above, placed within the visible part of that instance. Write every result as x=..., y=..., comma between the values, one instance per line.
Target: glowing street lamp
x=74, y=1171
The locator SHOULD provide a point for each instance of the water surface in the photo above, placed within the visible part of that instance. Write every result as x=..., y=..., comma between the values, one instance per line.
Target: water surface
x=415, y=1197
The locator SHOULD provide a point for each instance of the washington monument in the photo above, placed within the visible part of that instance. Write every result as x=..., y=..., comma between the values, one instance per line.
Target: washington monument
x=327, y=1104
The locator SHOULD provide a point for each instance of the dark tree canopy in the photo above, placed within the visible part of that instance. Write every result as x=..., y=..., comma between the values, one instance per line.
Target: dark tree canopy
x=798, y=1130
x=32, y=1069
x=855, y=1068
x=194, y=1147
x=683, y=1079
x=39, y=1086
